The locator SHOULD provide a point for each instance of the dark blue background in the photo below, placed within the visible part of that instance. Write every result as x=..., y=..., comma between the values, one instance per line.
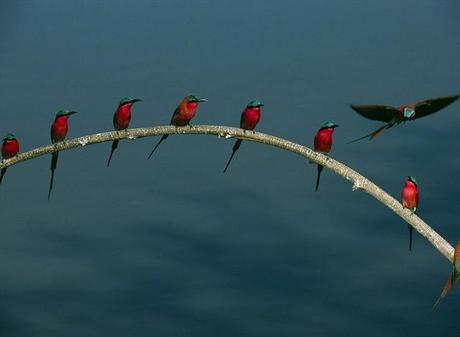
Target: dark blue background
x=171, y=246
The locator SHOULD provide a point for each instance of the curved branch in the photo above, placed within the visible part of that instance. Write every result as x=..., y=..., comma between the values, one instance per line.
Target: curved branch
x=358, y=181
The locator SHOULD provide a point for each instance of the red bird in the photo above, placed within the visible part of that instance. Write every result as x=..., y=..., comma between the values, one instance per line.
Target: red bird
x=59, y=130
x=452, y=278
x=395, y=115
x=183, y=114
x=249, y=119
x=323, y=144
x=409, y=197
x=10, y=148
x=121, y=119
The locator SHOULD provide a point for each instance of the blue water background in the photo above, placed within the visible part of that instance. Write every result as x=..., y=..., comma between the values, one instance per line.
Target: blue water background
x=173, y=247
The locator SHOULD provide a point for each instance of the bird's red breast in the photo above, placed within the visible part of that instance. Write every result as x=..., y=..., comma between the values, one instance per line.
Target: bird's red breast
x=10, y=148
x=409, y=195
x=250, y=117
x=323, y=140
x=59, y=129
x=122, y=116
x=184, y=112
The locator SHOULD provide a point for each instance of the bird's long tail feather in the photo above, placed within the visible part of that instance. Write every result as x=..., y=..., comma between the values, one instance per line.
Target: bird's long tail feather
x=235, y=148
x=158, y=144
x=411, y=230
x=318, y=176
x=114, y=147
x=447, y=287
x=373, y=134
x=2, y=174
x=54, y=160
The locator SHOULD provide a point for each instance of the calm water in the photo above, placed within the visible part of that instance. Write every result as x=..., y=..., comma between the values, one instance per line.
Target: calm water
x=172, y=247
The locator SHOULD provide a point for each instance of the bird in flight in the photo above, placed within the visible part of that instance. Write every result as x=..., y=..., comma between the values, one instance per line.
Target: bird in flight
x=391, y=115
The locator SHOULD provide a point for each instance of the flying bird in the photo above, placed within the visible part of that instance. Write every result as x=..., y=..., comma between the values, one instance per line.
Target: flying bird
x=121, y=119
x=323, y=143
x=395, y=115
x=59, y=130
x=182, y=116
x=409, y=199
x=452, y=278
x=249, y=119
x=10, y=147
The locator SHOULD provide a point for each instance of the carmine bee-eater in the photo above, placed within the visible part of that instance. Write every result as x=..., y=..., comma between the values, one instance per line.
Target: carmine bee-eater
x=183, y=114
x=323, y=144
x=452, y=278
x=121, y=119
x=59, y=130
x=409, y=199
x=10, y=147
x=249, y=119
x=395, y=115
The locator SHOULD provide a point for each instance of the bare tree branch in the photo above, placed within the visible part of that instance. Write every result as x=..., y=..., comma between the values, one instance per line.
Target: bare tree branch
x=357, y=180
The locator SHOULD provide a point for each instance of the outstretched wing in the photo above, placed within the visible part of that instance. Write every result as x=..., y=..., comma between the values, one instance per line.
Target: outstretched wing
x=383, y=113
x=429, y=106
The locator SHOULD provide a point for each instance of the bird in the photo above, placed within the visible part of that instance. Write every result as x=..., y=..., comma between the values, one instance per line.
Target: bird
x=452, y=278
x=409, y=199
x=323, y=143
x=395, y=115
x=121, y=119
x=183, y=114
x=10, y=147
x=249, y=119
x=59, y=130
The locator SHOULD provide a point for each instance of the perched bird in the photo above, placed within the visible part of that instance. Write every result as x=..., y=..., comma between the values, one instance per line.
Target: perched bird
x=183, y=114
x=323, y=144
x=393, y=116
x=249, y=119
x=121, y=119
x=58, y=132
x=452, y=278
x=10, y=147
x=409, y=197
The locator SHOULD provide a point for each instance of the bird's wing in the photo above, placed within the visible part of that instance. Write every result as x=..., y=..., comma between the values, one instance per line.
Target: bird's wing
x=433, y=105
x=242, y=119
x=383, y=113
x=175, y=114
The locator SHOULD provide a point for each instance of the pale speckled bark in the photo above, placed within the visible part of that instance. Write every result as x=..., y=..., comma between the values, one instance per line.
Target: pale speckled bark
x=357, y=180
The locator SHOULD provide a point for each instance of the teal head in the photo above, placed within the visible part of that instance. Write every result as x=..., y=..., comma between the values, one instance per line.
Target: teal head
x=329, y=125
x=254, y=104
x=65, y=113
x=194, y=99
x=408, y=112
x=412, y=179
x=129, y=100
x=9, y=137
